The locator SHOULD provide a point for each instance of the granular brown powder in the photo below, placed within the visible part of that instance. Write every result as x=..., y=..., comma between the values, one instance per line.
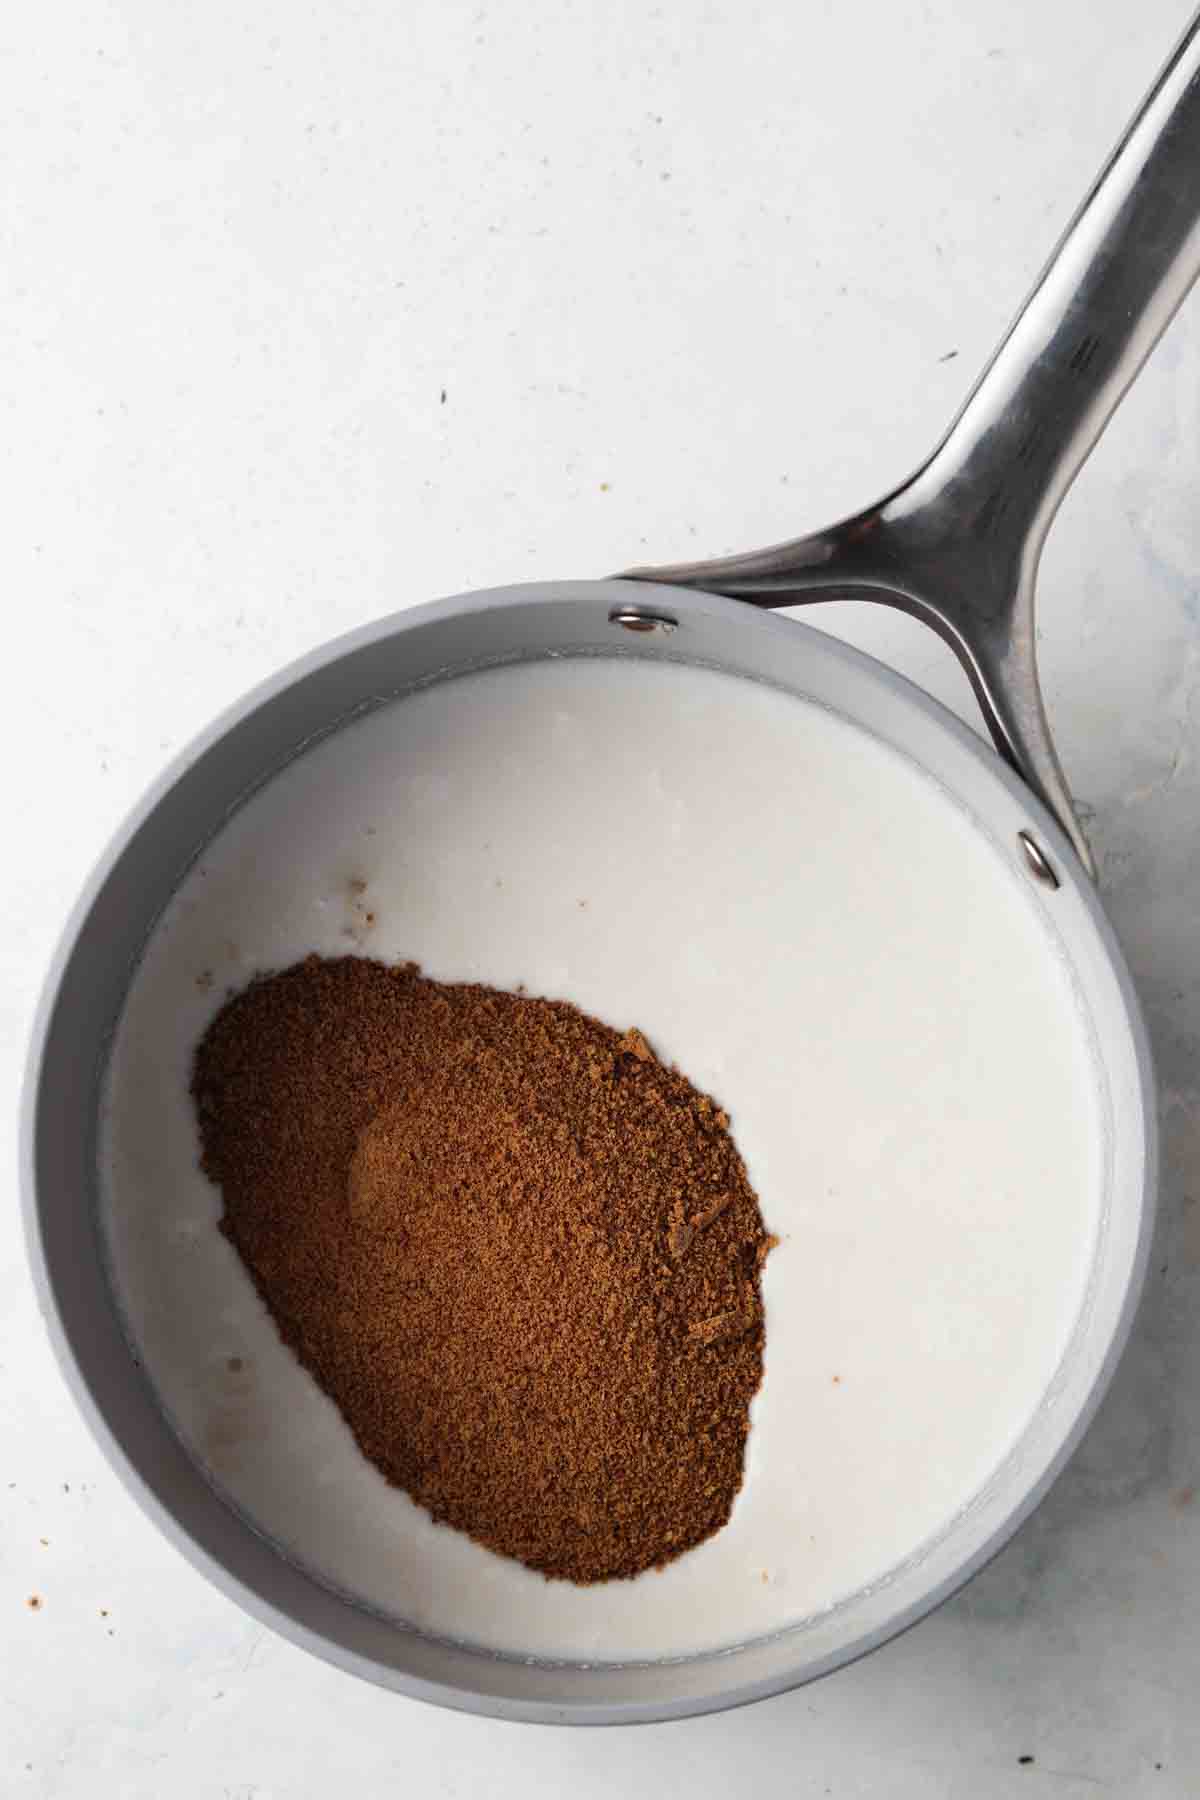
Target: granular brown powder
x=520, y=1254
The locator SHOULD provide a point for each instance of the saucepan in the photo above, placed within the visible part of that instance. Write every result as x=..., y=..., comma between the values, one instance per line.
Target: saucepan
x=956, y=546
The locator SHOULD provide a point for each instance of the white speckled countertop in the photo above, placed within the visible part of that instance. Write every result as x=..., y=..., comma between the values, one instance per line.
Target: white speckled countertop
x=311, y=310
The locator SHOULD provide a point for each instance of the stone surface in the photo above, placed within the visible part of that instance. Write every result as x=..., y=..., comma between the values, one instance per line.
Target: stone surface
x=310, y=311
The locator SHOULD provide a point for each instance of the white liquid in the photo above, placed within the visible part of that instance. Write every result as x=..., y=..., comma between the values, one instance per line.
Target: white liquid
x=804, y=924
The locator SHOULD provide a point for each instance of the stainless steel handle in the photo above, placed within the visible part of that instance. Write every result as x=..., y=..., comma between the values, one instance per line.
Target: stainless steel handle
x=958, y=544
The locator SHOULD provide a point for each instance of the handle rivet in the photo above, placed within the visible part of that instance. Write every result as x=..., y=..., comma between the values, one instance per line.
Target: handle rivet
x=1036, y=860
x=636, y=618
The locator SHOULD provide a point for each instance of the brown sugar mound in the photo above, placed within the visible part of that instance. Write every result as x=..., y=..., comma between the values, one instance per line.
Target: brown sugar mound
x=520, y=1254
